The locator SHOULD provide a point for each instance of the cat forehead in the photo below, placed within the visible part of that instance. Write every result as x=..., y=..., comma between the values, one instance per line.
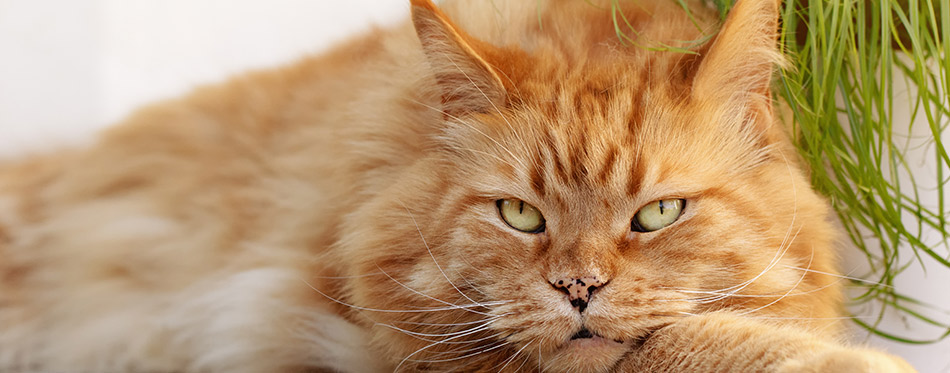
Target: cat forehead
x=608, y=77
x=603, y=112
x=619, y=144
x=610, y=153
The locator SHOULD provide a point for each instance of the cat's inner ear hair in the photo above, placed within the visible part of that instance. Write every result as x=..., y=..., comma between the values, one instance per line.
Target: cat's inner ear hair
x=737, y=70
x=467, y=80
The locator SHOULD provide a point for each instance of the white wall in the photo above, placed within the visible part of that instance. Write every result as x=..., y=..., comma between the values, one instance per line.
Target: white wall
x=50, y=71
x=71, y=67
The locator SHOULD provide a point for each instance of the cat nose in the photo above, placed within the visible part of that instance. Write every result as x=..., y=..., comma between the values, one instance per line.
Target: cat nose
x=579, y=289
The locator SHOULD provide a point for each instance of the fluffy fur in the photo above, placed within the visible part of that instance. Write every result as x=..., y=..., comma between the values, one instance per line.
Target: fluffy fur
x=339, y=214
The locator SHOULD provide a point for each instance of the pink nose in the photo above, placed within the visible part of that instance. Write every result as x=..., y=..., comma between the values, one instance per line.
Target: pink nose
x=579, y=289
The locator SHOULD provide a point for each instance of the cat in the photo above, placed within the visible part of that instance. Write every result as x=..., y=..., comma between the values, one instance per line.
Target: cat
x=491, y=186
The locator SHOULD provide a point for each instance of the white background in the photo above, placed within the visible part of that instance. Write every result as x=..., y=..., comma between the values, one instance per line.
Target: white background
x=71, y=67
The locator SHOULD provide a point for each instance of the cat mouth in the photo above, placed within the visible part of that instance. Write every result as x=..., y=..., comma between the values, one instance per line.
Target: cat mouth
x=585, y=333
x=586, y=350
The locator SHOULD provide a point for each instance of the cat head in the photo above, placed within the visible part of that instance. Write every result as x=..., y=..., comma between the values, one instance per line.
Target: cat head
x=584, y=193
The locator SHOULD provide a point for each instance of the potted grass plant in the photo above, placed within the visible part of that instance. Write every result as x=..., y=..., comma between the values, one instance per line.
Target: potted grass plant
x=868, y=88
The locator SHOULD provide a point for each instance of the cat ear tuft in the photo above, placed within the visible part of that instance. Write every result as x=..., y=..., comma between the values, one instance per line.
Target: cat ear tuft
x=738, y=66
x=467, y=80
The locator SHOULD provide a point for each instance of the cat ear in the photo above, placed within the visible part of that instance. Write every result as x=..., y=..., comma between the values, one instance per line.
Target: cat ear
x=738, y=67
x=468, y=82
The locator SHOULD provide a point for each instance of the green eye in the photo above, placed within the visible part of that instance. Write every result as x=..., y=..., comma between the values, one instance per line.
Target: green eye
x=657, y=215
x=521, y=216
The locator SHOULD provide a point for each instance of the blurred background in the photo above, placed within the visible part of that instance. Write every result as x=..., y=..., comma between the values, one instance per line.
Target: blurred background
x=71, y=67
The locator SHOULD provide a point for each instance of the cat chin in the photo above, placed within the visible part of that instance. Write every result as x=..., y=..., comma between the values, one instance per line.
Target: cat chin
x=595, y=354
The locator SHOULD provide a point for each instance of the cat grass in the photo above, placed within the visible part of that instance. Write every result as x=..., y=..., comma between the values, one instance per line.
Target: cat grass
x=847, y=60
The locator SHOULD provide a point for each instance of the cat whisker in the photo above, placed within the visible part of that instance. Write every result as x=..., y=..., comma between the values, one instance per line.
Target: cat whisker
x=473, y=341
x=725, y=293
x=469, y=332
x=844, y=277
x=475, y=352
x=421, y=310
x=817, y=289
x=786, y=294
x=810, y=318
x=753, y=317
x=450, y=324
x=474, y=267
x=471, y=285
x=797, y=283
x=429, y=296
x=512, y=358
x=484, y=357
x=787, y=240
x=779, y=254
x=540, y=360
x=454, y=355
x=483, y=324
x=525, y=359
x=431, y=255
x=786, y=243
x=713, y=292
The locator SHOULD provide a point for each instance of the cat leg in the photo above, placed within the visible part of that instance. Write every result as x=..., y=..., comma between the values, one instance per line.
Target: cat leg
x=723, y=342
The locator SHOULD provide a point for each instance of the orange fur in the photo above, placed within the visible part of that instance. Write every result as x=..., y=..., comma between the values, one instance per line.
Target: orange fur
x=340, y=214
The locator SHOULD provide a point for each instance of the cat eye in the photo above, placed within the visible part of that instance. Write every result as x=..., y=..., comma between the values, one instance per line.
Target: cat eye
x=657, y=215
x=520, y=215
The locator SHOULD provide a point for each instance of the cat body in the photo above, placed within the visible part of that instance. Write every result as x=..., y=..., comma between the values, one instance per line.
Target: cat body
x=344, y=213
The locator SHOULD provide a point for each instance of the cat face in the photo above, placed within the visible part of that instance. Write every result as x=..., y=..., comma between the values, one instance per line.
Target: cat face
x=569, y=211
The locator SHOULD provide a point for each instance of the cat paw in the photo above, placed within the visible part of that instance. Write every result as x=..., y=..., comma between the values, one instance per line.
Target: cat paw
x=837, y=359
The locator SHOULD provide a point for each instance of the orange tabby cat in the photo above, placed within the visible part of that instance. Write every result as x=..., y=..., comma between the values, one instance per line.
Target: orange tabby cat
x=519, y=191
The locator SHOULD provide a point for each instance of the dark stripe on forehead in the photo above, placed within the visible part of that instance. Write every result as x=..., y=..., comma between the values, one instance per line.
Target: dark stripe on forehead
x=559, y=168
x=608, y=168
x=634, y=178
x=637, y=108
x=578, y=154
x=538, y=174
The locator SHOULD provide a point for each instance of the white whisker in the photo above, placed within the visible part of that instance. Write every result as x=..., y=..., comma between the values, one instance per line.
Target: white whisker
x=846, y=277
x=467, y=353
x=540, y=359
x=431, y=255
x=450, y=324
x=512, y=358
x=436, y=309
x=420, y=334
x=407, y=358
x=428, y=296
x=797, y=283
x=470, y=284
